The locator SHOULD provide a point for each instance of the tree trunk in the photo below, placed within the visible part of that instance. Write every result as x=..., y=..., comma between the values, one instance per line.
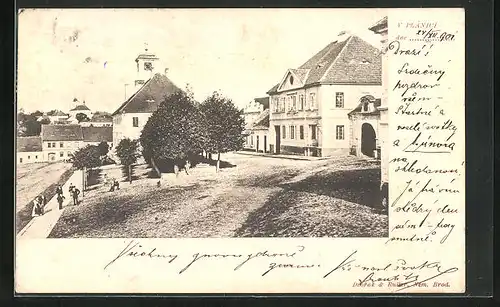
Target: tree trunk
x=155, y=167
x=130, y=173
x=218, y=163
x=83, y=180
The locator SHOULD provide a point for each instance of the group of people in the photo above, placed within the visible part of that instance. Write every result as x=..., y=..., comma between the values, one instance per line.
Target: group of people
x=38, y=205
x=40, y=201
x=187, y=166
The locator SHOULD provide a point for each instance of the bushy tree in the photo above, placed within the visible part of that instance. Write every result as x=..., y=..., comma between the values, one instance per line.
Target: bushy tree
x=224, y=125
x=82, y=117
x=175, y=131
x=103, y=148
x=128, y=152
x=29, y=125
x=86, y=157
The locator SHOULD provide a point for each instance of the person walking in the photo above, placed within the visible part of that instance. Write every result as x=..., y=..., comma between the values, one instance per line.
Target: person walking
x=60, y=200
x=187, y=166
x=37, y=210
x=59, y=190
x=76, y=192
x=71, y=187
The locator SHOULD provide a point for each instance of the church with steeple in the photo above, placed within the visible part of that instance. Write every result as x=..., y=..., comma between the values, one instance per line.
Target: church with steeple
x=151, y=85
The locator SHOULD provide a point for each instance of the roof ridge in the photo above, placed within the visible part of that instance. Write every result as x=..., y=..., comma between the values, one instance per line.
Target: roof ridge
x=348, y=41
x=131, y=97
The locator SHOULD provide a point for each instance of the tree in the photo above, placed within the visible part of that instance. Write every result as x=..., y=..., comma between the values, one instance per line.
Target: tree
x=224, y=125
x=103, y=148
x=29, y=125
x=175, y=131
x=82, y=117
x=127, y=152
x=86, y=158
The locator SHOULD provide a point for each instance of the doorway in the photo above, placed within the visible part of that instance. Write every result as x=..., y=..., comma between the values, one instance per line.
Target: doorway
x=278, y=139
x=265, y=143
x=368, y=140
x=258, y=143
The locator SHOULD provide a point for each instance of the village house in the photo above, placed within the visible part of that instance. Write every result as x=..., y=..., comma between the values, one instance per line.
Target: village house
x=99, y=120
x=259, y=133
x=129, y=119
x=55, y=116
x=309, y=107
x=59, y=142
x=79, y=108
x=365, y=127
x=254, y=112
x=29, y=150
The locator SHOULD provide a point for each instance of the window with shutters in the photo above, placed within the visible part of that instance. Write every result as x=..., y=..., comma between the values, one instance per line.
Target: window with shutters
x=301, y=132
x=135, y=121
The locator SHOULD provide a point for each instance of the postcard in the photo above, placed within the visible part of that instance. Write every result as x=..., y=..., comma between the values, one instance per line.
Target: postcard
x=240, y=151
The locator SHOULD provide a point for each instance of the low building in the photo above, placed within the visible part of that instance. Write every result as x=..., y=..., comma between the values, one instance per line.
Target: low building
x=309, y=107
x=79, y=108
x=99, y=120
x=60, y=141
x=251, y=113
x=258, y=133
x=365, y=127
x=29, y=150
x=96, y=135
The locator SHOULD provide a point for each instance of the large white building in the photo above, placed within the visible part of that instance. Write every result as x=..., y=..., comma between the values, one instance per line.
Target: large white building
x=129, y=119
x=309, y=106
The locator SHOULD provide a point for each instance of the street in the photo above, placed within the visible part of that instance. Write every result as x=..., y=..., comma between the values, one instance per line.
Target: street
x=251, y=196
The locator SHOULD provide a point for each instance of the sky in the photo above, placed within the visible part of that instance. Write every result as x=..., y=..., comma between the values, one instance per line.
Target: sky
x=89, y=54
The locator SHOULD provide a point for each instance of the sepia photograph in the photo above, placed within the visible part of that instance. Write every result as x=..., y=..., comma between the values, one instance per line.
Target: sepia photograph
x=240, y=151
x=232, y=128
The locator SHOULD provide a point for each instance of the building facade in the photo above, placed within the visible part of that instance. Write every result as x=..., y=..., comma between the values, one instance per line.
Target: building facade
x=310, y=105
x=129, y=119
x=382, y=28
x=59, y=142
x=256, y=115
x=29, y=150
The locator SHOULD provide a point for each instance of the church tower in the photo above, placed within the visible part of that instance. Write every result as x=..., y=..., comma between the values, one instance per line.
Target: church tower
x=146, y=67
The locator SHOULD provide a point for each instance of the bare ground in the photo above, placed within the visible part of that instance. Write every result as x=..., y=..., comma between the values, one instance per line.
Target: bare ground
x=257, y=197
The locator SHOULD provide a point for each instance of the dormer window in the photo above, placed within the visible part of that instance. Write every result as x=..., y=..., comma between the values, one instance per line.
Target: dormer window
x=365, y=106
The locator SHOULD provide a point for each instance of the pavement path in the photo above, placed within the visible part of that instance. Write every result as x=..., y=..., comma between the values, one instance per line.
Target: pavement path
x=40, y=227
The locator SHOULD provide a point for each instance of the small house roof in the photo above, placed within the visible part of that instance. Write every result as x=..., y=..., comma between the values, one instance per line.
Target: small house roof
x=61, y=133
x=262, y=121
x=80, y=107
x=97, y=134
x=29, y=144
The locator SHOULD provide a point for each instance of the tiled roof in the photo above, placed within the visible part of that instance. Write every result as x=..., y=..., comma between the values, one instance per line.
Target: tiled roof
x=56, y=113
x=61, y=133
x=262, y=121
x=97, y=134
x=350, y=61
x=80, y=107
x=101, y=118
x=149, y=96
x=359, y=63
x=301, y=73
x=263, y=101
x=379, y=25
x=29, y=144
